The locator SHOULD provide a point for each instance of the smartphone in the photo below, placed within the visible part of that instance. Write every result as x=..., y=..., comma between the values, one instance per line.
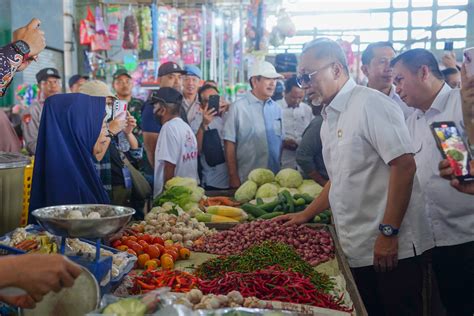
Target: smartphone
x=448, y=46
x=214, y=102
x=469, y=61
x=119, y=109
x=453, y=148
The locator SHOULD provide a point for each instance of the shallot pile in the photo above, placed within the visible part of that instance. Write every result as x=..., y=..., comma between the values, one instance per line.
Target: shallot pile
x=314, y=246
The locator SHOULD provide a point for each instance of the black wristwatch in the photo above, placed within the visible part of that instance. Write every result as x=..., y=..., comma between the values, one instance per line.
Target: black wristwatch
x=21, y=47
x=388, y=230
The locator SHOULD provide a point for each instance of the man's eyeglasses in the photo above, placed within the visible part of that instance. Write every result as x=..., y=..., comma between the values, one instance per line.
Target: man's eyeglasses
x=305, y=79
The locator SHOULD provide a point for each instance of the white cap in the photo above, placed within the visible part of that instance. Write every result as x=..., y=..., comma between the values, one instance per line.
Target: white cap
x=264, y=69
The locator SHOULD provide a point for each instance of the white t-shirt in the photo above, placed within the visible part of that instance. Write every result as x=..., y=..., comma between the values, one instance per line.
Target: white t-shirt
x=362, y=132
x=177, y=145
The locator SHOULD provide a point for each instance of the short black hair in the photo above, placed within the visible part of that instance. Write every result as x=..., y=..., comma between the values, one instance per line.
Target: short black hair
x=290, y=83
x=413, y=59
x=204, y=88
x=327, y=48
x=250, y=81
x=368, y=53
x=449, y=71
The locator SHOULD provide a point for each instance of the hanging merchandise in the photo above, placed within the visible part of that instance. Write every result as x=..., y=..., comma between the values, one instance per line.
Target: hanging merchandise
x=130, y=62
x=113, y=17
x=169, y=50
x=144, y=22
x=130, y=30
x=99, y=40
x=169, y=46
x=26, y=94
x=191, y=23
x=87, y=28
x=347, y=47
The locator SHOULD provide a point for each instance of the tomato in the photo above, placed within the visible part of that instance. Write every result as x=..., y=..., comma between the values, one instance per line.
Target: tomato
x=158, y=262
x=142, y=259
x=131, y=243
x=151, y=265
x=147, y=238
x=138, y=228
x=116, y=243
x=122, y=248
x=143, y=243
x=173, y=253
x=158, y=240
x=137, y=248
x=153, y=251
x=134, y=238
x=167, y=262
x=162, y=249
x=132, y=252
x=184, y=253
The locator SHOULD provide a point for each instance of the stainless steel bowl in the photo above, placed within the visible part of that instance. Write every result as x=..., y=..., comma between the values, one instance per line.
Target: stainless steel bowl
x=54, y=219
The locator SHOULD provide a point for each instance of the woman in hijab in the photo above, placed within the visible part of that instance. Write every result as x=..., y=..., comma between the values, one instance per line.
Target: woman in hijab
x=9, y=141
x=72, y=137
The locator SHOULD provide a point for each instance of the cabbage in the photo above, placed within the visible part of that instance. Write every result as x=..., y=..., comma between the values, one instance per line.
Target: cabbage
x=197, y=195
x=178, y=195
x=289, y=178
x=246, y=192
x=180, y=182
x=292, y=191
x=261, y=176
x=267, y=190
x=310, y=187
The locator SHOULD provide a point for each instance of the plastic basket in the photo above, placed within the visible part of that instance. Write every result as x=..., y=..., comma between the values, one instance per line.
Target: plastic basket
x=26, y=193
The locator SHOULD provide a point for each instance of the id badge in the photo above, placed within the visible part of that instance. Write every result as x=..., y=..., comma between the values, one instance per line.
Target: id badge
x=127, y=177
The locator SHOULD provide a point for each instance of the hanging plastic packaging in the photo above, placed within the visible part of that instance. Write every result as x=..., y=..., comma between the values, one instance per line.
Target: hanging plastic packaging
x=87, y=28
x=130, y=30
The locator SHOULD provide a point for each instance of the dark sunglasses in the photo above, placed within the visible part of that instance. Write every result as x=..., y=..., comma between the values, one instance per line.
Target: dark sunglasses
x=304, y=79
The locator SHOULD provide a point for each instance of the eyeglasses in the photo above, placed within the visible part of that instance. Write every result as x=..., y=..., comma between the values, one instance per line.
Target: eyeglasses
x=305, y=79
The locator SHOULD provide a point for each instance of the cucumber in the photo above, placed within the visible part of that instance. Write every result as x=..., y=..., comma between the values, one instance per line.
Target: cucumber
x=253, y=210
x=271, y=215
x=308, y=198
x=317, y=219
x=269, y=207
x=259, y=201
x=289, y=201
x=300, y=201
x=300, y=208
x=278, y=208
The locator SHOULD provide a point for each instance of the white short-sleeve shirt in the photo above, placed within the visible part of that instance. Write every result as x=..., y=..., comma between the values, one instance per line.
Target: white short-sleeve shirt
x=362, y=132
x=450, y=212
x=177, y=145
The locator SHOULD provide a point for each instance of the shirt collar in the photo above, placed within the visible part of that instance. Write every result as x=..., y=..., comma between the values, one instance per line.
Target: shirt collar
x=253, y=99
x=393, y=92
x=339, y=103
x=439, y=102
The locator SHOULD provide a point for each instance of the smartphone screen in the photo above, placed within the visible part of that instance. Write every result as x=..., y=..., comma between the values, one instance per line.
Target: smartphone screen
x=119, y=109
x=214, y=101
x=453, y=148
x=448, y=46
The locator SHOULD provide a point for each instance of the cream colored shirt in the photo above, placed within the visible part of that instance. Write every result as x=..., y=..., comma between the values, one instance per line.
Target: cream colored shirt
x=362, y=132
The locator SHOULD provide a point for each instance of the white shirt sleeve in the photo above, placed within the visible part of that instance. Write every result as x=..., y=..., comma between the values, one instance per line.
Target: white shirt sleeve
x=231, y=124
x=386, y=129
x=169, y=148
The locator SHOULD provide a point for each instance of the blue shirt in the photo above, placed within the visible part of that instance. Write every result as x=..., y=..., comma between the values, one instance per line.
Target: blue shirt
x=256, y=128
x=150, y=123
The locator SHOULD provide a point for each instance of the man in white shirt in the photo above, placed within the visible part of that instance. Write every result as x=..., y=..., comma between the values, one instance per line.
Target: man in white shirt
x=296, y=116
x=376, y=67
x=420, y=84
x=372, y=188
x=176, y=150
x=191, y=84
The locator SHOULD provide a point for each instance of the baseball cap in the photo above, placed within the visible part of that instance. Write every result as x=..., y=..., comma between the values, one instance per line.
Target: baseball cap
x=192, y=70
x=96, y=88
x=45, y=73
x=76, y=78
x=121, y=72
x=169, y=68
x=264, y=69
x=168, y=95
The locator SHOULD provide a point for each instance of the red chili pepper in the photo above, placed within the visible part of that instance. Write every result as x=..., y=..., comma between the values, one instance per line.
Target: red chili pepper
x=145, y=286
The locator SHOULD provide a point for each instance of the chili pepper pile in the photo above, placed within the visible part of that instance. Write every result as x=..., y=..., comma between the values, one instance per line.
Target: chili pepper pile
x=263, y=256
x=273, y=283
x=150, y=280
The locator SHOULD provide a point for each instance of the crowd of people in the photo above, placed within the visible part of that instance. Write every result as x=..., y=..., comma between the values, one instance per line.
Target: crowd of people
x=395, y=200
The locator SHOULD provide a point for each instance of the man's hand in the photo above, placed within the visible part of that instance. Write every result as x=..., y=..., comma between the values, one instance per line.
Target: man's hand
x=50, y=273
x=22, y=301
x=449, y=60
x=446, y=172
x=290, y=144
x=234, y=182
x=207, y=116
x=293, y=219
x=131, y=123
x=385, y=253
x=32, y=35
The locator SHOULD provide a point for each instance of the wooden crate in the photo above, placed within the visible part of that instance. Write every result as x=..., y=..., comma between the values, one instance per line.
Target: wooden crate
x=340, y=258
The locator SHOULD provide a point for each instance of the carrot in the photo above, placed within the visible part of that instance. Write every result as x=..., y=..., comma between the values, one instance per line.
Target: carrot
x=222, y=200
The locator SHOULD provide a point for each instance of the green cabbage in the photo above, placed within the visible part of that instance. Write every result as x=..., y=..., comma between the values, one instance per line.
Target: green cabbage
x=178, y=195
x=180, y=182
x=261, y=176
x=289, y=178
x=310, y=187
x=267, y=190
x=292, y=191
x=198, y=193
x=246, y=192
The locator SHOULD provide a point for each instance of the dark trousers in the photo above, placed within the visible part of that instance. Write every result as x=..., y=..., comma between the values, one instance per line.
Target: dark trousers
x=454, y=271
x=398, y=292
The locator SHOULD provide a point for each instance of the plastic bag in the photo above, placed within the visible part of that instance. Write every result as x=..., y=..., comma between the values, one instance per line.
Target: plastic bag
x=87, y=28
x=100, y=41
x=130, y=30
x=113, y=32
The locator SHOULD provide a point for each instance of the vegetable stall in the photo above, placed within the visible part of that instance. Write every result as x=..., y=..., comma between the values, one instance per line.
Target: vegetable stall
x=197, y=252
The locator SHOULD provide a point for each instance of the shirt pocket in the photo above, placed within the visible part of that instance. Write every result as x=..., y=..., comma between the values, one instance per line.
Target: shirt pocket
x=278, y=127
x=355, y=155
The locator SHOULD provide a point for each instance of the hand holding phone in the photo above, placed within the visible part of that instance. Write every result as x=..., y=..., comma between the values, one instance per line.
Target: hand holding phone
x=119, y=110
x=453, y=148
x=214, y=102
